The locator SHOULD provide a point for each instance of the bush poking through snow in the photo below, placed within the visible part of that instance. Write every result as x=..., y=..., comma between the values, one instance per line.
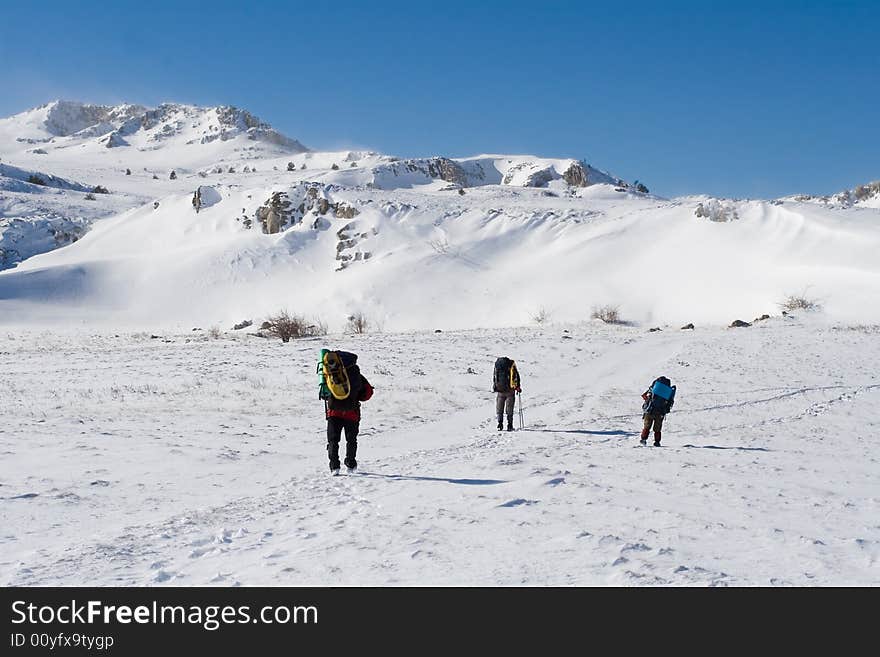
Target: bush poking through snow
x=799, y=302
x=357, y=323
x=541, y=316
x=36, y=180
x=90, y=197
x=608, y=314
x=286, y=326
x=100, y=190
x=214, y=333
x=335, y=167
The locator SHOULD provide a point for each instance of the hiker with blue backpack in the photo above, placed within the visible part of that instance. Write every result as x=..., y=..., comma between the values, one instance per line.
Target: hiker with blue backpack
x=659, y=398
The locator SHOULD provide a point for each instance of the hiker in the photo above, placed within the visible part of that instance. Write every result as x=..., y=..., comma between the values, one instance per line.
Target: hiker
x=505, y=385
x=341, y=377
x=197, y=200
x=659, y=398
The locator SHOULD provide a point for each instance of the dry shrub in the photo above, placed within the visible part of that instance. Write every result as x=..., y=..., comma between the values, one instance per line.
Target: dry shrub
x=541, y=316
x=358, y=323
x=799, y=302
x=286, y=326
x=608, y=314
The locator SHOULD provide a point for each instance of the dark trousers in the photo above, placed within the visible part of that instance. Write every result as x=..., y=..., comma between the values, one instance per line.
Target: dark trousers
x=655, y=420
x=335, y=425
x=505, y=402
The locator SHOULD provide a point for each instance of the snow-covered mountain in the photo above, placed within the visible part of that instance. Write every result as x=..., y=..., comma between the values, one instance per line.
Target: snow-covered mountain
x=63, y=124
x=488, y=240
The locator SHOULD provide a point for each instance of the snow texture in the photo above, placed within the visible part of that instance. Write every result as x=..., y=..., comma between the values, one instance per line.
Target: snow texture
x=187, y=459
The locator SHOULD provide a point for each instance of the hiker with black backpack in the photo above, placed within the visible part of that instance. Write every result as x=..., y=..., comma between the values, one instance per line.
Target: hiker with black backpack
x=505, y=385
x=342, y=388
x=659, y=398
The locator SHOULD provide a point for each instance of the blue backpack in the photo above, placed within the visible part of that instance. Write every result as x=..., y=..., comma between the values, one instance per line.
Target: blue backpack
x=662, y=397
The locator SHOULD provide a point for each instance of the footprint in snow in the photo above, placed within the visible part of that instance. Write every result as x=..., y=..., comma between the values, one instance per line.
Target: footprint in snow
x=163, y=576
x=635, y=547
x=518, y=502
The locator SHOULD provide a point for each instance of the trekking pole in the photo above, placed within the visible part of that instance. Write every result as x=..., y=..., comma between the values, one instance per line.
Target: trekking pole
x=519, y=396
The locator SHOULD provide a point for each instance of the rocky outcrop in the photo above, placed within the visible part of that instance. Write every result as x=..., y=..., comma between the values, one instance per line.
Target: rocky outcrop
x=285, y=209
x=435, y=168
x=276, y=213
x=845, y=199
x=540, y=178
x=65, y=118
x=738, y=323
x=346, y=248
x=445, y=169
x=531, y=174
x=344, y=210
x=234, y=121
x=575, y=175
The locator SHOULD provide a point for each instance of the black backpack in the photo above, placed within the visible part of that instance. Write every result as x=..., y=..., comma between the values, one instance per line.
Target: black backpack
x=662, y=397
x=505, y=369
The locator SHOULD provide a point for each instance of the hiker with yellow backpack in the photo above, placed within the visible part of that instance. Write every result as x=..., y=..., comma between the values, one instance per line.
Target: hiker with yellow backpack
x=505, y=385
x=343, y=388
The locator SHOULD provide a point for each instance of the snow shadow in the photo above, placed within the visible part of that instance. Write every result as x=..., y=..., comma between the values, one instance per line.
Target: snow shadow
x=742, y=449
x=613, y=432
x=463, y=482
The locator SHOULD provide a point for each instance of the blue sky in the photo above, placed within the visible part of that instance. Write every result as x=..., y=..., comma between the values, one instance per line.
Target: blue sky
x=736, y=99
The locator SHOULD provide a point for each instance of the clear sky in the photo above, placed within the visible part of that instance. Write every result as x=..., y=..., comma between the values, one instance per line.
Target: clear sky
x=738, y=99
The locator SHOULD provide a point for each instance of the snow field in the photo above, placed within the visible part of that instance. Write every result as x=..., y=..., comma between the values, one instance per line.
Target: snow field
x=188, y=460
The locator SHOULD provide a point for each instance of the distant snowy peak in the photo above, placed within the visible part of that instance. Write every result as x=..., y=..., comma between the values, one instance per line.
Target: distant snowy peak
x=124, y=125
x=867, y=195
x=65, y=118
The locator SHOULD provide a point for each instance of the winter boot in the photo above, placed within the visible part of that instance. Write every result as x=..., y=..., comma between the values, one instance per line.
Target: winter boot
x=644, y=437
x=500, y=422
x=510, y=423
x=333, y=453
x=656, y=439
